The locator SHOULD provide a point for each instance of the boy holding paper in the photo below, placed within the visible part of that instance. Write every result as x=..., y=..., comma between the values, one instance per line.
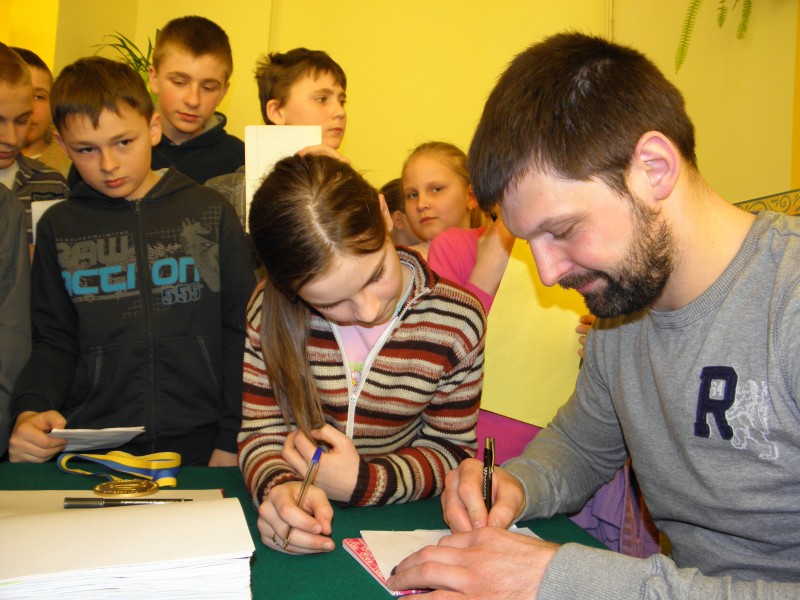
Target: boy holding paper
x=141, y=282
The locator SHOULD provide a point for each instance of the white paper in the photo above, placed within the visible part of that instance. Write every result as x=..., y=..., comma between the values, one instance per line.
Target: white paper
x=89, y=439
x=185, y=550
x=390, y=547
x=267, y=144
x=38, y=208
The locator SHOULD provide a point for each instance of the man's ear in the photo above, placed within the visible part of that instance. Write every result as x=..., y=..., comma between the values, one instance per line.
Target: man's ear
x=275, y=112
x=655, y=166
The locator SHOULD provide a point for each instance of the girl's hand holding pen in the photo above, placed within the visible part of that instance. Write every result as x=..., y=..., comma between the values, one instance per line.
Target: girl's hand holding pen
x=338, y=470
x=310, y=522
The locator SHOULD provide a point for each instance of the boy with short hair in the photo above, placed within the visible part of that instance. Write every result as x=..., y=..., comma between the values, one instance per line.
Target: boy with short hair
x=304, y=87
x=298, y=87
x=141, y=283
x=29, y=179
x=41, y=143
x=192, y=65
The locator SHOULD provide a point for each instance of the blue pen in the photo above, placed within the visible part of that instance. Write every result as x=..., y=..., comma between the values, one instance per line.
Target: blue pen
x=307, y=481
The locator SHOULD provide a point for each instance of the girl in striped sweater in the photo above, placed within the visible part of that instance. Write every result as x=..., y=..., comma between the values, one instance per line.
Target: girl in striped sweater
x=354, y=345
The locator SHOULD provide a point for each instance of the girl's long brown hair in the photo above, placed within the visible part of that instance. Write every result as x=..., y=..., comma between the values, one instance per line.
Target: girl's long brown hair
x=307, y=211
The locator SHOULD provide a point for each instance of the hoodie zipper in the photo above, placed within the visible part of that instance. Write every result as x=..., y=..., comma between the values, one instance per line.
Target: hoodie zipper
x=354, y=393
x=144, y=281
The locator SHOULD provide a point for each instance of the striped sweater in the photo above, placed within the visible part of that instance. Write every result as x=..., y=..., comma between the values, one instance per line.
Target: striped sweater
x=418, y=403
x=36, y=181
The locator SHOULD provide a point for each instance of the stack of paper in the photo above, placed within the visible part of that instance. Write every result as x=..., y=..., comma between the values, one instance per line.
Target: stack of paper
x=198, y=549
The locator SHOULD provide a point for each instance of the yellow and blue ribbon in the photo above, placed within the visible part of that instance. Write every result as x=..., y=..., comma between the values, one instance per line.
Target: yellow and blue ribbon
x=161, y=467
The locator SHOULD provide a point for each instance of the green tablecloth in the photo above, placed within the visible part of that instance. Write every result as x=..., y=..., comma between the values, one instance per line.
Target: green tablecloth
x=275, y=575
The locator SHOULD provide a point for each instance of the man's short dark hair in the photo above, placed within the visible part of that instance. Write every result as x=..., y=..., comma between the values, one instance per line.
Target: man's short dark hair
x=573, y=106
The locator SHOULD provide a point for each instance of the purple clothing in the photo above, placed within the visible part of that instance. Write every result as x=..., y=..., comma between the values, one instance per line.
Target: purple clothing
x=453, y=254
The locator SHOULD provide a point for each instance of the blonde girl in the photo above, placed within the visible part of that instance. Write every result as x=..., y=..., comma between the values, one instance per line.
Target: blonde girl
x=442, y=210
x=438, y=192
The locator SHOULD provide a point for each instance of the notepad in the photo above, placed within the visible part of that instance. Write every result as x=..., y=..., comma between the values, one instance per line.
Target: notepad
x=380, y=551
x=186, y=550
x=267, y=144
x=359, y=549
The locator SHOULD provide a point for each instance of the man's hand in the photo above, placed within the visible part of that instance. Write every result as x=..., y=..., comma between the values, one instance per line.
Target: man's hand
x=487, y=563
x=462, y=500
x=29, y=440
x=584, y=325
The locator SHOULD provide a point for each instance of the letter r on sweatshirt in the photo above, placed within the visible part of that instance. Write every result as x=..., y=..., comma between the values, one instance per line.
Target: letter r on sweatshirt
x=716, y=395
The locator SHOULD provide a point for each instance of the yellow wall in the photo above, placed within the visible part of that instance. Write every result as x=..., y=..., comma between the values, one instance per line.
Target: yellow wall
x=420, y=70
x=739, y=93
x=31, y=24
x=796, y=127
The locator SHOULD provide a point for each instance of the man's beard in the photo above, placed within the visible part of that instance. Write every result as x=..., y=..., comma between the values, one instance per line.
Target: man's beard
x=640, y=277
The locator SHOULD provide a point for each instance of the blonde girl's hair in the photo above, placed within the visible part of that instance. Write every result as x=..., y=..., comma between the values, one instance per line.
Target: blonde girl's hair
x=307, y=211
x=455, y=159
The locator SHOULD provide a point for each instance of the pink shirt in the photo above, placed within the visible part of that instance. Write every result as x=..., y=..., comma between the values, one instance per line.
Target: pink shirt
x=453, y=254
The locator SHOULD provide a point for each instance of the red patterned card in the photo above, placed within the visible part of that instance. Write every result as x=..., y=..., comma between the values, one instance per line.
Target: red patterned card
x=359, y=549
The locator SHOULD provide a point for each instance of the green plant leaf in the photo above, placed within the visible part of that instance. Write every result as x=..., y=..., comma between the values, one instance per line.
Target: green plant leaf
x=722, y=12
x=744, y=20
x=128, y=51
x=689, y=22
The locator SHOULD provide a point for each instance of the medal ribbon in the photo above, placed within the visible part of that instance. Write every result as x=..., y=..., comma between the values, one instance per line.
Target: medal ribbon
x=161, y=467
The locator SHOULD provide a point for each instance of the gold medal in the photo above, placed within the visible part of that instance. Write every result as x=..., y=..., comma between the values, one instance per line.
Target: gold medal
x=126, y=488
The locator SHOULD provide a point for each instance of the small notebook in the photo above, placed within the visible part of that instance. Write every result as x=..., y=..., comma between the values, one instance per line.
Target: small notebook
x=361, y=552
x=380, y=551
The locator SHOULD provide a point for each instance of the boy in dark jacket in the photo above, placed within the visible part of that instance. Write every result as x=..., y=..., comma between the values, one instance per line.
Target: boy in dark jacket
x=141, y=280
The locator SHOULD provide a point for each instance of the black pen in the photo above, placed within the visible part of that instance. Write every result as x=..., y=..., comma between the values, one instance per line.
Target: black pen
x=488, y=471
x=104, y=502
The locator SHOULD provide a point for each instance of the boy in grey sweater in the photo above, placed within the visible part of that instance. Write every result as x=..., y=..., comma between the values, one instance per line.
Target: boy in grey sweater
x=692, y=369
